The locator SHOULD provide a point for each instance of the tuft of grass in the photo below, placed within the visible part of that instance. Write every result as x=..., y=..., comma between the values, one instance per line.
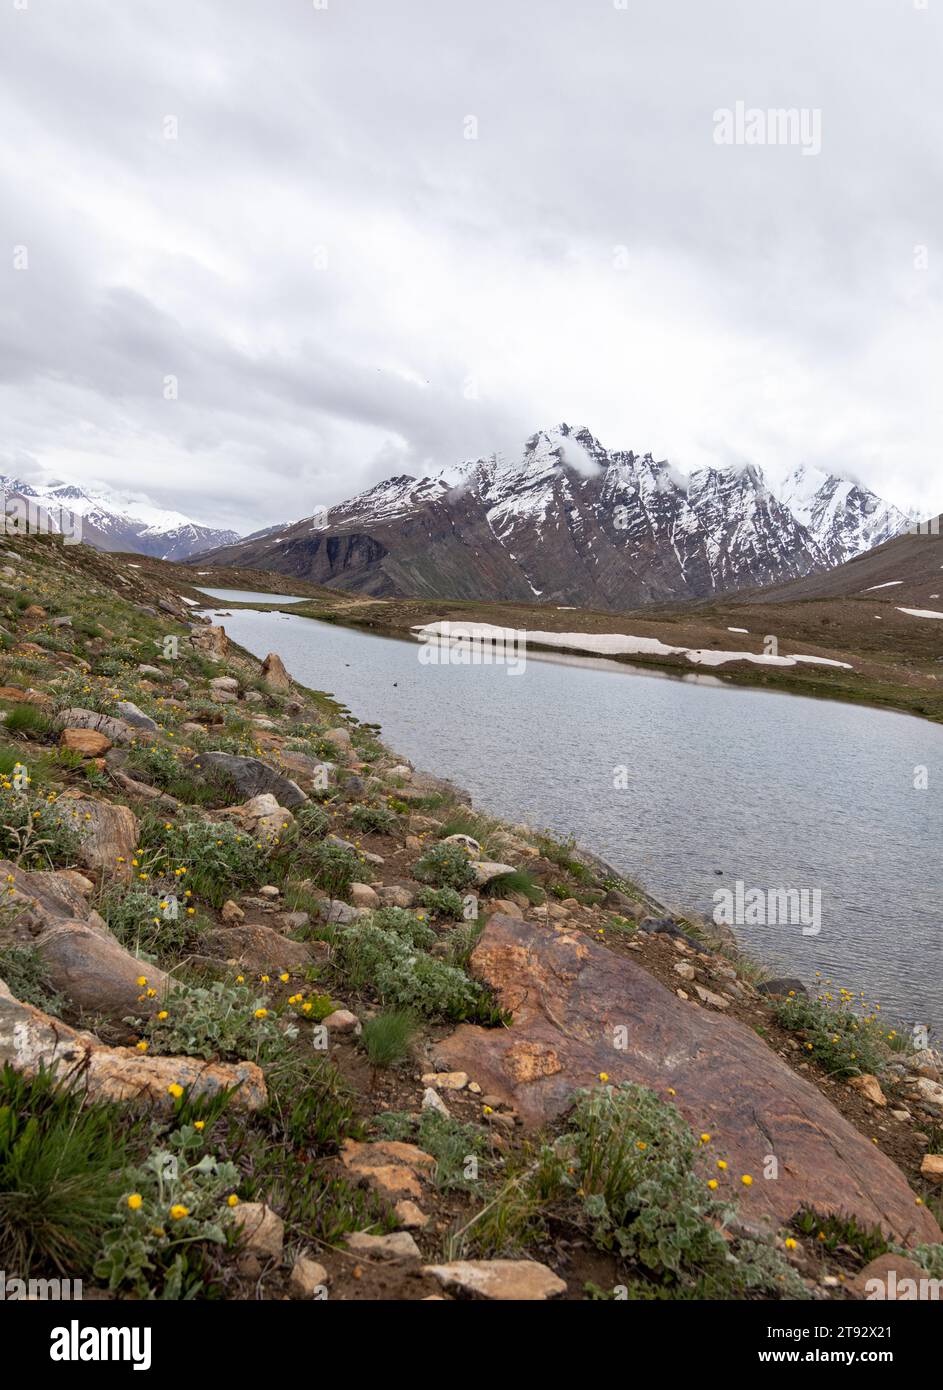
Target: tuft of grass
x=387, y=1037
x=29, y=721
x=516, y=882
x=60, y=1174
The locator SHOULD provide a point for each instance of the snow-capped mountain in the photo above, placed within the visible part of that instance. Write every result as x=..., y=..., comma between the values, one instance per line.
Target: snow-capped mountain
x=113, y=522
x=571, y=522
x=845, y=518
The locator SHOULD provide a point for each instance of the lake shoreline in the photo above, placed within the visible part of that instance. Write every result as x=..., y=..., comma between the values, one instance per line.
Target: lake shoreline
x=770, y=957
x=822, y=683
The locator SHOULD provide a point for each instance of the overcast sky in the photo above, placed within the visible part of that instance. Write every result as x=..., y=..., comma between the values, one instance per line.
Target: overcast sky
x=345, y=286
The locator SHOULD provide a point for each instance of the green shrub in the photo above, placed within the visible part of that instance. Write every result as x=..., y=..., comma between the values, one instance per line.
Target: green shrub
x=405, y=925
x=33, y=831
x=60, y=1166
x=445, y=866
x=173, y=1207
x=633, y=1174
x=145, y=922
x=26, y=974
x=377, y=820
x=444, y=902
x=450, y=1142
x=312, y=821
x=218, y=1021
x=407, y=977
x=332, y=867
x=840, y=1037
x=220, y=861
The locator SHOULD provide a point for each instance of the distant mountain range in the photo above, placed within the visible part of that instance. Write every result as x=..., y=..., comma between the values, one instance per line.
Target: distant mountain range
x=110, y=522
x=570, y=522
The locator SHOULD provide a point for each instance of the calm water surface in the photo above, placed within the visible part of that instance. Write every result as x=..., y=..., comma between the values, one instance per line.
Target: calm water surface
x=770, y=789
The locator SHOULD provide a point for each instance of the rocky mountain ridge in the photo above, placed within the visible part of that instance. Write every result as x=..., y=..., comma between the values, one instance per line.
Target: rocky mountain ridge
x=571, y=522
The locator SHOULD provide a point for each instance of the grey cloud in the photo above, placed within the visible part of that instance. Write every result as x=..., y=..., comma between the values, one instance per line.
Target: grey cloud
x=591, y=256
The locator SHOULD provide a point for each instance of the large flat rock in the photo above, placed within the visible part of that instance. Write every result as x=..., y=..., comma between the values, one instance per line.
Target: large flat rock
x=31, y=1041
x=581, y=1010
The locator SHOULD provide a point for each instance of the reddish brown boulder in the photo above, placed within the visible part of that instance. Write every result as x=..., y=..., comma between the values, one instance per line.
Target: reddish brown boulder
x=274, y=673
x=24, y=697
x=580, y=1011
x=89, y=742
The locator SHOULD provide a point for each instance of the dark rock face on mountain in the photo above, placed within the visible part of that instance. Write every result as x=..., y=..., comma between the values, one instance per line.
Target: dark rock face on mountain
x=570, y=522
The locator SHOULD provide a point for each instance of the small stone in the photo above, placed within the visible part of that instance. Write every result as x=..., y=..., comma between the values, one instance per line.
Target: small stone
x=269, y=890
x=362, y=895
x=464, y=842
x=488, y=869
x=274, y=673
x=308, y=1278
x=342, y=1021
x=395, y=895
x=262, y=1228
x=931, y=1167
x=505, y=906
x=409, y=1216
x=431, y=1100
x=474, y=1088
x=929, y=1091
x=869, y=1087
x=392, y=1168
x=334, y=910
x=137, y=718
x=884, y=1279
x=446, y=1080
x=706, y=996
x=782, y=985
x=501, y=1280
x=398, y=1246
x=232, y=913
x=685, y=969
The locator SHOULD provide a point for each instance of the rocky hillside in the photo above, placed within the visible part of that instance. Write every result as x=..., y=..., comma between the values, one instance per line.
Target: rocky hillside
x=280, y=1016
x=571, y=522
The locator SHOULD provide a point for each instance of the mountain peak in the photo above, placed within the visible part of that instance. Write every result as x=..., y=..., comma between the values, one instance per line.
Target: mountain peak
x=574, y=523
